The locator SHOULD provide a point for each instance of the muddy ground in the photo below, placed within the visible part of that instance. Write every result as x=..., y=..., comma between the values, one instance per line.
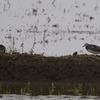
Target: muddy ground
x=66, y=72
x=37, y=68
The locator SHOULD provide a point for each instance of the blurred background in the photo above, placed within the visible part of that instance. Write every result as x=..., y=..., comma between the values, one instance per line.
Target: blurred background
x=49, y=27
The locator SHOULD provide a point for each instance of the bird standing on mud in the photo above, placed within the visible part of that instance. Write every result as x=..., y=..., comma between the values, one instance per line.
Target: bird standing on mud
x=92, y=48
x=2, y=49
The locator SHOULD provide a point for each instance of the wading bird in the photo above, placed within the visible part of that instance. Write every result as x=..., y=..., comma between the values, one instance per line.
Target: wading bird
x=92, y=48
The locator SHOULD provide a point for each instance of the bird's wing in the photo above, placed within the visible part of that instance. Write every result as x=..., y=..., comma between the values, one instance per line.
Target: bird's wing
x=94, y=47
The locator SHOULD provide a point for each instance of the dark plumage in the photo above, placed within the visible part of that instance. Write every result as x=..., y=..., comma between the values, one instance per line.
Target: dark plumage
x=92, y=48
x=75, y=53
x=2, y=49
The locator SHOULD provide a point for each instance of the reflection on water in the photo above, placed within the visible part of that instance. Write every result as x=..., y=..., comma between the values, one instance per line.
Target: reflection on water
x=48, y=43
x=48, y=97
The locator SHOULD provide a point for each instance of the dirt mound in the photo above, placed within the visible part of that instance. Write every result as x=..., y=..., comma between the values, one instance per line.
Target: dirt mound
x=37, y=68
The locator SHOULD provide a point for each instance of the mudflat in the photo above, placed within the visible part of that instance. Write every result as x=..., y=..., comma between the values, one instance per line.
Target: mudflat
x=37, y=68
x=16, y=70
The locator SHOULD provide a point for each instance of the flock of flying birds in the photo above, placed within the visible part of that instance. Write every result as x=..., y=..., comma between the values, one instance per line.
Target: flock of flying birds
x=89, y=47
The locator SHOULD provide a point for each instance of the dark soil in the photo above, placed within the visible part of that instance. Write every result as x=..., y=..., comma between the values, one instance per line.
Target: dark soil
x=37, y=68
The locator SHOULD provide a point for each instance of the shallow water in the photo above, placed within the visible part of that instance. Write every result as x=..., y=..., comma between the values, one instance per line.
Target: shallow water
x=19, y=22
x=41, y=43
x=48, y=97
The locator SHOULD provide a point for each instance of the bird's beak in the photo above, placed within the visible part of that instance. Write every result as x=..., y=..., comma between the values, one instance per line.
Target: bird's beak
x=83, y=46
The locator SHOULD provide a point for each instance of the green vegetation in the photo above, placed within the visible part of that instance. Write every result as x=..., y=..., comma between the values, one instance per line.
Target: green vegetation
x=77, y=90
x=28, y=86
x=41, y=90
x=51, y=90
x=26, y=89
x=7, y=91
x=91, y=91
x=22, y=91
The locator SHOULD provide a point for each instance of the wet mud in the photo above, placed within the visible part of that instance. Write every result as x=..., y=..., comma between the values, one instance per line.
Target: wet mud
x=17, y=69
